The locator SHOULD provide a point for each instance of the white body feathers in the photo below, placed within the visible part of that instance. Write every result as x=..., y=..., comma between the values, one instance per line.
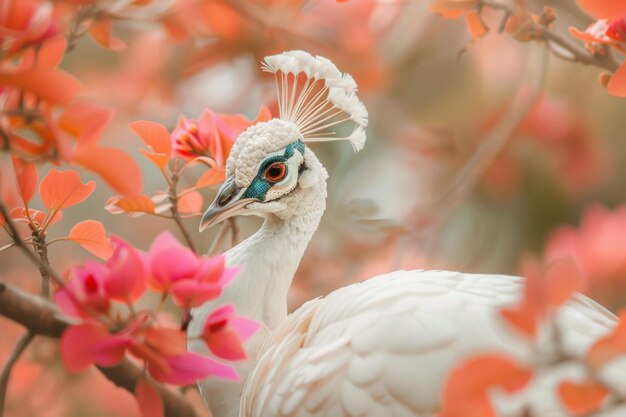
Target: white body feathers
x=384, y=347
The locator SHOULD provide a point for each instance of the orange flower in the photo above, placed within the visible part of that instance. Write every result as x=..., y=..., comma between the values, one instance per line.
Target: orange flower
x=603, y=32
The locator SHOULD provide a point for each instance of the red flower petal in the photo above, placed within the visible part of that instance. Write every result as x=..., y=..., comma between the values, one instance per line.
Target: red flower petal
x=190, y=368
x=88, y=344
x=127, y=277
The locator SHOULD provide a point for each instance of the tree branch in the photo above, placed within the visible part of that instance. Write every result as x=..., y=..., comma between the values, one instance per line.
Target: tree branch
x=173, y=197
x=542, y=33
x=33, y=257
x=42, y=318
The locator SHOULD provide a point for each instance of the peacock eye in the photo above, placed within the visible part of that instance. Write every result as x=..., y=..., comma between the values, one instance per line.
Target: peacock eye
x=276, y=172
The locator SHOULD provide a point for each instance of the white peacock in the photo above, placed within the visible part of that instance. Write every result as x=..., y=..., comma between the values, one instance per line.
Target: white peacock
x=380, y=348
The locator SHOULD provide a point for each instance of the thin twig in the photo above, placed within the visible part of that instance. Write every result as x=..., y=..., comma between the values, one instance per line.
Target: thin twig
x=34, y=258
x=41, y=248
x=173, y=197
x=18, y=349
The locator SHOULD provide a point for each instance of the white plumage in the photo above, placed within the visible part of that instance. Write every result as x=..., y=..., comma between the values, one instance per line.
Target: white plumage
x=375, y=349
x=383, y=347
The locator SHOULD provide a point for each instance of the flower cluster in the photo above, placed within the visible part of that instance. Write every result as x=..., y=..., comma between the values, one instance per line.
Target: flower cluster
x=103, y=298
x=212, y=135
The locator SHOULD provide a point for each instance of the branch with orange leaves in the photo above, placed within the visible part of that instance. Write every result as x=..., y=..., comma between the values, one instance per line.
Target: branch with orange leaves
x=41, y=317
x=526, y=27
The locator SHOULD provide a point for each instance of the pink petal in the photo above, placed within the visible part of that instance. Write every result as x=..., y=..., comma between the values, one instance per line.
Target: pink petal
x=170, y=261
x=226, y=344
x=149, y=400
x=190, y=368
x=244, y=327
x=84, y=296
x=188, y=293
x=127, y=278
x=88, y=344
x=224, y=313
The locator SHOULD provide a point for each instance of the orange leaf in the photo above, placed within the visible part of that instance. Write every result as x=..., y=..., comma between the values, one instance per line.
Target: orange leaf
x=609, y=347
x=39, y=217
x=452, y=9
x=85, y=120
x=604, y=9
x=475, y=24
x=90, y=234
x=61, y=189
x=211, y=177
x=563, y=280
x=26, y=175
x=51, y=52
x=134, y=204
x=50, y=84
x=115, y=166
x=101, y=33
x=582, y=397
x=617, y=83
x=157, y=137
x=149, y=400
x=190, y=203
x=523, y=318
x=465, y=390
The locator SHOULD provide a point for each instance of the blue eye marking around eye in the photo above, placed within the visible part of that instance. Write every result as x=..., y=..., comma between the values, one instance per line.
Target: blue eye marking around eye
x=259, y=186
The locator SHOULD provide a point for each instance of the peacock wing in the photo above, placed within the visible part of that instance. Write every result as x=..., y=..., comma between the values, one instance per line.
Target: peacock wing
x=384, y=347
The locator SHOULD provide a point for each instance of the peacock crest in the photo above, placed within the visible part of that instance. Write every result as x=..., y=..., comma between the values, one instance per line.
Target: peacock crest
x=316, y=97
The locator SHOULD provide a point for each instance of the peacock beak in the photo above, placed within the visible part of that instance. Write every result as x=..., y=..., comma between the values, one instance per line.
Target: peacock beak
x=227, y=203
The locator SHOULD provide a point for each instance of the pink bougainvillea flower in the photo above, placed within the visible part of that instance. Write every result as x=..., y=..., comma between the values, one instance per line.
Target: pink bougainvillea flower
x=92, y=287
x=596, y=247
x=212, y=135
x=91, y=343
x=162, y=351
x=190, y=368
x=170, y=261
x=224, y=332
x=85, y=295
x=127, y=275
x=191, y=279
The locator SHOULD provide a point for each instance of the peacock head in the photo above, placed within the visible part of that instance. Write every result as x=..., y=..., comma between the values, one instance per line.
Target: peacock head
x=270, y=170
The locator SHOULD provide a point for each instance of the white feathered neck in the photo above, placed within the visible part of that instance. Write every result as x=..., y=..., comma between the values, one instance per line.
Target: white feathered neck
x=271, y=256
x=270, y=259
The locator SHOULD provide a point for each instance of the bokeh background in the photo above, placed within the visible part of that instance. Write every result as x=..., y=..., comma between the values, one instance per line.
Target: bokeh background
x=480, y=154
